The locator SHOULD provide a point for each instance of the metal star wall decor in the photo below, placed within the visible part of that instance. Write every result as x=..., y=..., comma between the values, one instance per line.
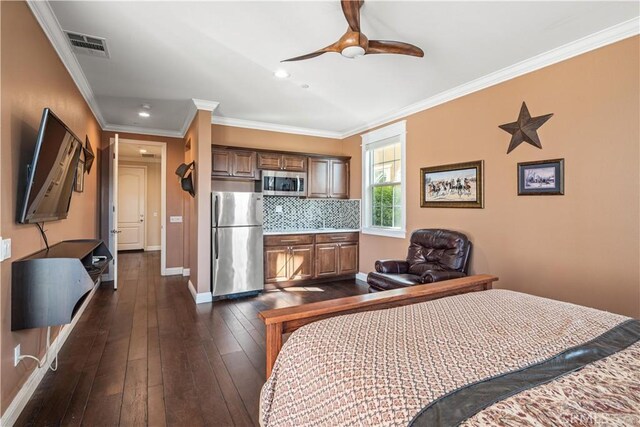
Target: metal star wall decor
x=525, y=129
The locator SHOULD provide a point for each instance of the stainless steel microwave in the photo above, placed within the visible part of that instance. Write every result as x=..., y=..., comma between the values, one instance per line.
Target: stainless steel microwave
x=277, y=183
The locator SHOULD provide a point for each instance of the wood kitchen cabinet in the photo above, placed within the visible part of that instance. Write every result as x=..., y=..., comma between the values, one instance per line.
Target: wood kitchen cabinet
x=327, y=259
x=233, y=164
x=328, y=178
x=221, y=163
x=295, y=259
x=277, y=161
x=348, y=257
x=287, y=263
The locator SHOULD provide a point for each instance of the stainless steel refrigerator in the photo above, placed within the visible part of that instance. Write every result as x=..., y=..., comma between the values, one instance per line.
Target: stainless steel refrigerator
x=236, y=240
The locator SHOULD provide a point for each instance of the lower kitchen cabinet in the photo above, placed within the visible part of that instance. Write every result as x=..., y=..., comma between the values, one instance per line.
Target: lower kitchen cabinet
x=301, y=262
x=327, y=259
x=294, y=259
x=287, y=263
x=275, y=264
x=348, y=257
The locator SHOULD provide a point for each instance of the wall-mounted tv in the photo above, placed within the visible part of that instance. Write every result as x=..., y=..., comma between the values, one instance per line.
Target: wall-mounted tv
x=51, y=172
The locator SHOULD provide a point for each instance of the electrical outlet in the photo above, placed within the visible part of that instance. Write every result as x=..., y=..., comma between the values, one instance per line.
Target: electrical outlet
x=278, y=209
x=5, y=249
x=16, y=355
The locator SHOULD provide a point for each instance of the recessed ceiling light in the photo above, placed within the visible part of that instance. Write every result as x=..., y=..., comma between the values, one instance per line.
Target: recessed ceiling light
x=144, y=114
x=304, y=86
x=142, y=150
x=281, y=74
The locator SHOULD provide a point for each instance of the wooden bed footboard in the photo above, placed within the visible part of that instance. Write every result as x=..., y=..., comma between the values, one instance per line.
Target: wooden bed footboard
x=285, y=320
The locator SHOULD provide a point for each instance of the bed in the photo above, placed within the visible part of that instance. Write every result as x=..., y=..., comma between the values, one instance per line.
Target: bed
x=459, y=353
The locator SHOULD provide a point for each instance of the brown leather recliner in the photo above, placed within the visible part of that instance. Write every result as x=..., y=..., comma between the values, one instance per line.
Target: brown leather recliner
x=434, y=255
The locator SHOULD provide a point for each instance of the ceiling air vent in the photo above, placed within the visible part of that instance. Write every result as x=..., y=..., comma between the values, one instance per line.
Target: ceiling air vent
x=149, y=155
x=88, y=45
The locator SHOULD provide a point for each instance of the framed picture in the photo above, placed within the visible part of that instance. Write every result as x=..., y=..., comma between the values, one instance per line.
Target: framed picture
x=542, y=178
x=459, y=185
x=89, y=156
x=79, y=181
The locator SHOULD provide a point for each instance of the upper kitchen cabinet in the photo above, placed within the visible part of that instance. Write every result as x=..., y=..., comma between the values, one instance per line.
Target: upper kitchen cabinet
x=328, y=178
x=277, y=161
x=227, y=163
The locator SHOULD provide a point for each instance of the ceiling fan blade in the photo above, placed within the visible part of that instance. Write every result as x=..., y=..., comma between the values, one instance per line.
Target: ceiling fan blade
x=331, y=48
x=351, y=10
x=307, y=56
x=388, y=46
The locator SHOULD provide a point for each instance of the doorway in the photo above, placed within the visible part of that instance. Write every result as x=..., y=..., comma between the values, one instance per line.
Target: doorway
x=137, y=194
x=134, y=202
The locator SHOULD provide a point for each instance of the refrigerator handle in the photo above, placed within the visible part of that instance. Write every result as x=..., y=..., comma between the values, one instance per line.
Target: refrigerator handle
x=215, y=212
x=215, y=244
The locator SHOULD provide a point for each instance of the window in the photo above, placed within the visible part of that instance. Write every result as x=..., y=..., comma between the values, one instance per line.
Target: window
x=383, y=193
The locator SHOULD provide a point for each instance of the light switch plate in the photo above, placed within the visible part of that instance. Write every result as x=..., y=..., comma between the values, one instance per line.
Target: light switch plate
x=5, y=249
x=175, y=219
x=16, y=355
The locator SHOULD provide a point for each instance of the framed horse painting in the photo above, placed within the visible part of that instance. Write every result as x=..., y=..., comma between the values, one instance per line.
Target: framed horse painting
x=458, y=185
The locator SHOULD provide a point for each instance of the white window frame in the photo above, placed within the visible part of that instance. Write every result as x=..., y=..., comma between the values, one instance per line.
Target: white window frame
x=370, y=141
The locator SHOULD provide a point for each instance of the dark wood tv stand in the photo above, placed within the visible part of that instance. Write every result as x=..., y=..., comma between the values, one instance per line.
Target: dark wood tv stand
x=49, y=286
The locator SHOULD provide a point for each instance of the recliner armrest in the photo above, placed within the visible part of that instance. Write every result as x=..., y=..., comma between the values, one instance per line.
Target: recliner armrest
x=392, y=266
x=431, y=276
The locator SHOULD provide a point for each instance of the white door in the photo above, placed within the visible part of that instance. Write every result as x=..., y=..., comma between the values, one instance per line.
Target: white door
x=131, y=207
x=113, y=210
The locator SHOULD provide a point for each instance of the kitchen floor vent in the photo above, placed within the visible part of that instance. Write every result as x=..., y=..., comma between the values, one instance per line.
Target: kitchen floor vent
x=88, y=45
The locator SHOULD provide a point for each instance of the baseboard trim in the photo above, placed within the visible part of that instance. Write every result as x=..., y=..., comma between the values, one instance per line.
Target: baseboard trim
x=361, y=277
x=200, y=298
x=172, y=271
x=153, y=248
x=21, y=399
x=186, y=272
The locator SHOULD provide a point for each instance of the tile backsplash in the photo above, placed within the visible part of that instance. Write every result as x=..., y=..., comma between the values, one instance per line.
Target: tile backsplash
x=301, y=214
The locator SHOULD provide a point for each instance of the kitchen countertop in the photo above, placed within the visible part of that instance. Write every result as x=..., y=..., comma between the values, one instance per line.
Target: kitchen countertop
x=312, y=231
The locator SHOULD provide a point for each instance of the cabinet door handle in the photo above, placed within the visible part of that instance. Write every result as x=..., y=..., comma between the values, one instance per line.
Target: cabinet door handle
x=289, y=241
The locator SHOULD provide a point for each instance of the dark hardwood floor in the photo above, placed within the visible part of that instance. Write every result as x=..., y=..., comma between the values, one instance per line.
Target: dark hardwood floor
x=146, y=354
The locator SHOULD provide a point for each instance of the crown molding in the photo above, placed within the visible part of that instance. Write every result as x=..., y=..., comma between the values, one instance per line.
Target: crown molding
x=52, y=29
x=143, y=131
x=591, y=42
x=273, y=127
x=203, y=104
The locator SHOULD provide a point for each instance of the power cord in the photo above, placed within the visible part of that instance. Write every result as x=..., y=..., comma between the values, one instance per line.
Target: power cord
x=43, y=234
x=43, y=362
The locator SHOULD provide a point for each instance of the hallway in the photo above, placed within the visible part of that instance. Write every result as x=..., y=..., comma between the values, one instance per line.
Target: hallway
x=147, y=355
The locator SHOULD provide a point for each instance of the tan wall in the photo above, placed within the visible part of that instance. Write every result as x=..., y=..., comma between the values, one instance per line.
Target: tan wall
x=153, y=205
x=175, y=195
x=251, y=138
x=582, y=247
x=33, y=77
x=199, y=212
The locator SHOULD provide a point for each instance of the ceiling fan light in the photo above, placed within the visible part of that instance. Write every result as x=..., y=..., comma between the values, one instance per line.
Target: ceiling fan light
x=352, y=52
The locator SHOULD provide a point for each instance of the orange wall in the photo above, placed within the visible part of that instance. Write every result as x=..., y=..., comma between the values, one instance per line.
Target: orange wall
x=33, y=77
x=251, y=138
x=199, y=212
x=175, y=195
x=582, y=247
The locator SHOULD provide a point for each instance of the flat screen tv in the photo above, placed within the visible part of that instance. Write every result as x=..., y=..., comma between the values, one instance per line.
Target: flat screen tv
x=51, y=173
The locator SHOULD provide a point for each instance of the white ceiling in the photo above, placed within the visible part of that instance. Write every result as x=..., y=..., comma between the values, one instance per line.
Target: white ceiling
x=166, y=53
x=132, y=150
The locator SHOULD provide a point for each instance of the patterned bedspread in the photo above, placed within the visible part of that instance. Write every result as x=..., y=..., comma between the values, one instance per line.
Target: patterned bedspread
x=382, y=367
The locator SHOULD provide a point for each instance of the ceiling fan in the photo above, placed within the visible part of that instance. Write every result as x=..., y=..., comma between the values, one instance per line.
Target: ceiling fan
x=354, y=44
